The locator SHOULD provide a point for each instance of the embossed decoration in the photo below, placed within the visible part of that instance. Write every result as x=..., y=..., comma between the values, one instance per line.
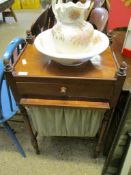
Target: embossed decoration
x=74, y=14
x=71, y=32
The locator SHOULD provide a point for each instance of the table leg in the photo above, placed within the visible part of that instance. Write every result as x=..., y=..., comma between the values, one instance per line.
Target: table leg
x=29, y=128
x=102, y=133
x=3, y=16
x=13, y=14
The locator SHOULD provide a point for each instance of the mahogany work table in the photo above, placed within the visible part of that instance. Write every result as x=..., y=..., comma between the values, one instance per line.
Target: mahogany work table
x=95, y=84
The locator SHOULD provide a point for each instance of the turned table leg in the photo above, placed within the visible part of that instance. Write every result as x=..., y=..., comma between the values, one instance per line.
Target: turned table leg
x=29, y=128
x=102, y=132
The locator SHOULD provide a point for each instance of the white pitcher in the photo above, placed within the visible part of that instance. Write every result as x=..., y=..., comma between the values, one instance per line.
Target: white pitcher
x=71, y=33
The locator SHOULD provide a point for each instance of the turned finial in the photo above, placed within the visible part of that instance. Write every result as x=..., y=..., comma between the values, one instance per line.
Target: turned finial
x=7, y=65
x=109, y=34
x=122, y=69
x=29, y=37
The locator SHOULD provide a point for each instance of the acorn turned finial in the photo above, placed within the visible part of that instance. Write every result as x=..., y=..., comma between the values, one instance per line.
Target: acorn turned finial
x=109, y=34
x=29, y=37
x=122, y=69
x=7, y=65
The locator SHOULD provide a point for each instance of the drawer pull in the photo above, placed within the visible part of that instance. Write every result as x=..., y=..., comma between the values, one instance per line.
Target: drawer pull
x=63, y=90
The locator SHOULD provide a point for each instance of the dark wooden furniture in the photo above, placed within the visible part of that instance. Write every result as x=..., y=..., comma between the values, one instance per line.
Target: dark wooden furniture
x=117, y=40
x=118, y=37
x=122, y=115
x=95, y=84
x=126, y=166
x=6, y=9
x=43, y=22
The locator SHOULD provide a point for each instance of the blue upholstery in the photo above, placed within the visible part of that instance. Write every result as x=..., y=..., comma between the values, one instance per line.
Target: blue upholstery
x=8, y=107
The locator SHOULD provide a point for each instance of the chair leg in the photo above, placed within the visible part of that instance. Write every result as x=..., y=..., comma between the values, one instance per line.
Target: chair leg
x=14, y=138
x=3, y=16
x=13, y=14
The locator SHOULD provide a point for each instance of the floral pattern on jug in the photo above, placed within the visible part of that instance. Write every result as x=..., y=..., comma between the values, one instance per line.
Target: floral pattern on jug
x=71, y=32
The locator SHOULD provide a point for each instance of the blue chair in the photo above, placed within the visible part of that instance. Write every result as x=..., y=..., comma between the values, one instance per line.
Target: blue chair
x=8, y=107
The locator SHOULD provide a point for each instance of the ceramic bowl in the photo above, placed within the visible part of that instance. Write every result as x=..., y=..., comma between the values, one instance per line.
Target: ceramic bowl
x=45, y=44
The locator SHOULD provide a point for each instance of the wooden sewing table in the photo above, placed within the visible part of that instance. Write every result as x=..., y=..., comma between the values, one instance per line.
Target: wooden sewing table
x=94, y=84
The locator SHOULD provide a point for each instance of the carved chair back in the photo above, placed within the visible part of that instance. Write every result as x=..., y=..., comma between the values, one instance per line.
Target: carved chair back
x=43, y=22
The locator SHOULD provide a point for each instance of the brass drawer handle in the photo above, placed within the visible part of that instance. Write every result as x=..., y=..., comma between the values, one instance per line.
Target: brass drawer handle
x=63, y=90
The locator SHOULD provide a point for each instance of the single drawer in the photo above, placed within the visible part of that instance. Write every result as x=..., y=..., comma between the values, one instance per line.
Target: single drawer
x=84, y=89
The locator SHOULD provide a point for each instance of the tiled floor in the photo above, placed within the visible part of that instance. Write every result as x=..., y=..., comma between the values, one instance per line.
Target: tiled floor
x=59, y=155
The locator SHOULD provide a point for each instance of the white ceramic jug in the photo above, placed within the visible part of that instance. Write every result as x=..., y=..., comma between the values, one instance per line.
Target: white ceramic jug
x=72, y=33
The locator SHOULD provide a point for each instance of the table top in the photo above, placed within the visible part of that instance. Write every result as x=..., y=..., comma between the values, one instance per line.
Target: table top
x=117, y=44
x=34, y=64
